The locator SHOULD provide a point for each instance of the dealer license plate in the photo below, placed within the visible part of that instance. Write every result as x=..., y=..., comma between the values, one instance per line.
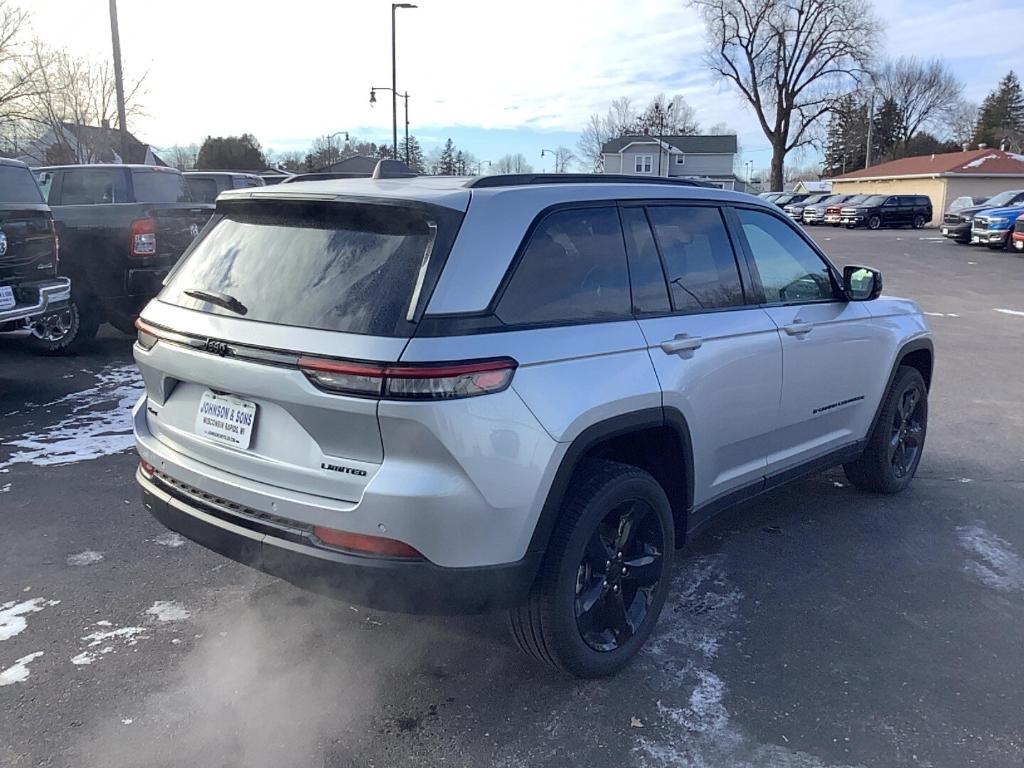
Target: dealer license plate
x=226, y=420
x=6, y=297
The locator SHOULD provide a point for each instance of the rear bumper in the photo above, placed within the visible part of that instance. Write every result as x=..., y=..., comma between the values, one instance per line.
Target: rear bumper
x=292, y=554
x=38, y=299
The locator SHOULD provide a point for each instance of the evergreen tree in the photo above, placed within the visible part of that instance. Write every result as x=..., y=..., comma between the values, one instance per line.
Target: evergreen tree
x=1001, y=113
x=460, y=163
x=414, y=152
x=887, y=132
x=847, y=136
x=446, y=165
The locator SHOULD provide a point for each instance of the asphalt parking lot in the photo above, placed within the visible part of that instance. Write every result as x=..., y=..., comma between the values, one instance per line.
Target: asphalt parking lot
x=817, y=626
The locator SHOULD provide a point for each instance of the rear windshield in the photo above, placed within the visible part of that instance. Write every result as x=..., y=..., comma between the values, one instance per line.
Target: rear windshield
x=160, y=187
x=357, y=268
x=203, y=188
x=18, y=186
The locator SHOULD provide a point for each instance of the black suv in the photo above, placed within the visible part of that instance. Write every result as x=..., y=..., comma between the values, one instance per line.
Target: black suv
x=121, y=229
x=956, y=225
x=31, y=294
x=889, y=211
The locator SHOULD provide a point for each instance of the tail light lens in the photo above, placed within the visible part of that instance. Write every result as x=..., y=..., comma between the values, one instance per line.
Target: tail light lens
x=440, y=381
x=365, y=545
x=143, y=238
x=147, y=469
x=148, y=335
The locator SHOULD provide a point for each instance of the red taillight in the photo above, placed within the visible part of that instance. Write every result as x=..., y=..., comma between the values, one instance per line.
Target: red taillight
x=363, y=544
x=147, y=469
x=148, y=335
x=435, y=381
x=142, y=241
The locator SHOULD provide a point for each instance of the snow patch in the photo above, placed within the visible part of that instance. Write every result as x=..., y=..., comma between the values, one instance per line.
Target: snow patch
x=693, y=726
x=5, y=488
x=12, y=615
x=100, y=423
x=129, y=635
x=170, y=539
x=980, y=161
x=996, y=564
x=166, y=610
x=1016, y=312
x=88, y=557
x=18, y=671
x=83, y=658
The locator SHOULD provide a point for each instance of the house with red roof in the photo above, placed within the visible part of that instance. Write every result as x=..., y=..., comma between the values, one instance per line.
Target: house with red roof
x=944, y=177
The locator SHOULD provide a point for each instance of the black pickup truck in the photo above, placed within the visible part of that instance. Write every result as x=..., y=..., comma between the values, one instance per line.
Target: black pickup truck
x=121, y=229
x=32, y=296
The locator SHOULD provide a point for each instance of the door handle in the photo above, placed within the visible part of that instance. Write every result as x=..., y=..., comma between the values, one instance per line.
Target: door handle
x=683, y=342
x=798, y=328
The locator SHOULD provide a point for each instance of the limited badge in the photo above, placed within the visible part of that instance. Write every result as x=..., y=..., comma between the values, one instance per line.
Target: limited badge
x=3, y=243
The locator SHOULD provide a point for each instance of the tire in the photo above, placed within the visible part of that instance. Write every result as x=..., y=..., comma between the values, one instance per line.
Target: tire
x=919, y=222
x=550, y=626
x=874, y=222
x=888, y=466
x=58, y=334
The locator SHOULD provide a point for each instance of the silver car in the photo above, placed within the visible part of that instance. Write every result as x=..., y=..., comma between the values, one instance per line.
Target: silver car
x=450, y=395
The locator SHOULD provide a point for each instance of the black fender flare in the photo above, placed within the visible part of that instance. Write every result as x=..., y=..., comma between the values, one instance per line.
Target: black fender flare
x=616, y=426
x=914, y=345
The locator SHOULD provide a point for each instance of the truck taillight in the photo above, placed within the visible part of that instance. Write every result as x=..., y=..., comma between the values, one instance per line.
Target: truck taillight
x=143, y=238
x=410, y=381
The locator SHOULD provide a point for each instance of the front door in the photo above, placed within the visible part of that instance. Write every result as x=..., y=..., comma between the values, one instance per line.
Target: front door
x=717, y=357
x=831, y=350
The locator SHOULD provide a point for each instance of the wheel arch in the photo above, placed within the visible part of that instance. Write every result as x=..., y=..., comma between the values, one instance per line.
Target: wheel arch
x=917, y=353
x=648, y=439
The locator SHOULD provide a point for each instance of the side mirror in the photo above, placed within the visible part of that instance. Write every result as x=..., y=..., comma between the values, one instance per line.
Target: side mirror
x=861, y=283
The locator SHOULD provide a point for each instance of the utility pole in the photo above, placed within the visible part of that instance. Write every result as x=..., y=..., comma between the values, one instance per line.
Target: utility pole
x=115, y=39
x=394, y=82
x=871, y=120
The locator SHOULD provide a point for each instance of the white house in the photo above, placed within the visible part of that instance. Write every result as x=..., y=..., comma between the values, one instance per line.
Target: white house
x=705, y=158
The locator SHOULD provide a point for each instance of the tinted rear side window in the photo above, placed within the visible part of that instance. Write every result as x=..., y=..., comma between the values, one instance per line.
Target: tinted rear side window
x=339, y=267
x=18, y=186
x=93, y=186
x=203, y=189
x=573, y=270
x=160, y=187
x=645, y=273
x=699, y=261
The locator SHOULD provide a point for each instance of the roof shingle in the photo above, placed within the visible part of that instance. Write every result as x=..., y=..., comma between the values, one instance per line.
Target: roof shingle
x=992, y=162
x=694, y=145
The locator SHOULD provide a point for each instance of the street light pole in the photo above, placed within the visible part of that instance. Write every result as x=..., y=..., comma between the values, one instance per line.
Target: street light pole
x=553, y=154
x=394, y=80
x=115, y=39
x=405, y=97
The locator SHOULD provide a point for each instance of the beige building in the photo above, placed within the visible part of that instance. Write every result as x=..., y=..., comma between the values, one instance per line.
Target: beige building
x=945, y=177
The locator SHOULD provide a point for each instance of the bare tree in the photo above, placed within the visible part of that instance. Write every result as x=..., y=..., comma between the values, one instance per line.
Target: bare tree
x=600, y=129
x=17, y=77
x=181, y=156
x=69, y=91
x=926, y=93
x=961, y=122
x=790, y=59
x=561, y=157
x=512, y=163
x=668, y=117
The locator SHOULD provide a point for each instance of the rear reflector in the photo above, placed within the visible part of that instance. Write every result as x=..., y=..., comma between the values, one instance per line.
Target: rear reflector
x=147, y=469
x=363, y=544
x=404, y=381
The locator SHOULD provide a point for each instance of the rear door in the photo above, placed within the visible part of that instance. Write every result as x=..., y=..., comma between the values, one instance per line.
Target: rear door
x=832, y=351
x=717, y=356
x=890, y=212
x=317, y=280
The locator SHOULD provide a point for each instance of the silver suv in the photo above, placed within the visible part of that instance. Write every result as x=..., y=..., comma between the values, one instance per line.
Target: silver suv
x=449, y=395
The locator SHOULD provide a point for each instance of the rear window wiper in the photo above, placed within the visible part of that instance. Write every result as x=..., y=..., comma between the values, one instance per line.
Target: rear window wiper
x=229, y=303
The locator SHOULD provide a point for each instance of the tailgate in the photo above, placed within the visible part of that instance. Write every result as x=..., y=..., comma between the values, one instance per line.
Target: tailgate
x=177, y=226
x=27, y=244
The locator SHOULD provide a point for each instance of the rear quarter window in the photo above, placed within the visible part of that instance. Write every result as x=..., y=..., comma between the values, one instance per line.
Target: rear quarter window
x=18, y=186
x=93, y=186
x=572, y=270
x=158, y=186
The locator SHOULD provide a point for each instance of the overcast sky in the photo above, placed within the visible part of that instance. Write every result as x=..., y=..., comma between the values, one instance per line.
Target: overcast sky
x=497, y=77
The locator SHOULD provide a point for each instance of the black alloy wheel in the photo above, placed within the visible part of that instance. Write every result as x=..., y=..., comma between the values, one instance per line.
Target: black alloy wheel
x=907, y=434
x=618, y=577
x=874, y=222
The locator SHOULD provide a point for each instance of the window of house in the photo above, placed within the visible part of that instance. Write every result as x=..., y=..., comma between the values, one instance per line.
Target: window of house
x=573, y=270
x=644, y=163
x=680, y=159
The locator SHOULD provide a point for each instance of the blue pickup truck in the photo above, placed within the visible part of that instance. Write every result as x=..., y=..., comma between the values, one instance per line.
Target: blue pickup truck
x=992, y=226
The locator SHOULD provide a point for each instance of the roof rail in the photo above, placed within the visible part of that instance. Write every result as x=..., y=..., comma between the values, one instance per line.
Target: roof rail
x=516, y=179
x=392, y=169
